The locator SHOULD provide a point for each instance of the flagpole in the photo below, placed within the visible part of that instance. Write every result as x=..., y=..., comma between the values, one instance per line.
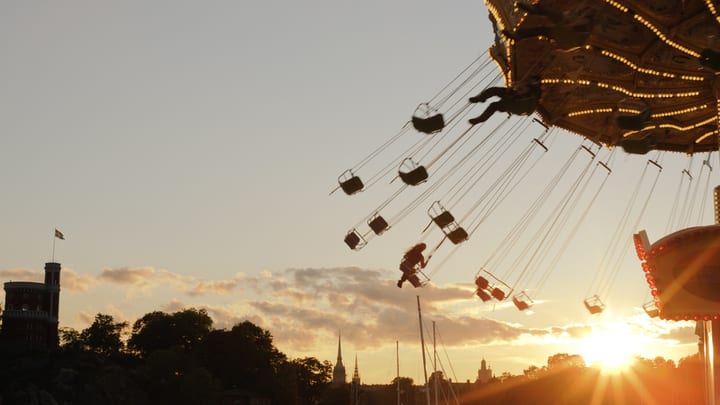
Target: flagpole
x=53, y=252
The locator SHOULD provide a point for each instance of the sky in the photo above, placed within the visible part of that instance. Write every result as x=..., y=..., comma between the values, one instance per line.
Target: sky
x=187, y=151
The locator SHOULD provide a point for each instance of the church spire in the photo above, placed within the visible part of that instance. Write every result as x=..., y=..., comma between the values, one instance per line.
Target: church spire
x=339, y=370
x=356, y=373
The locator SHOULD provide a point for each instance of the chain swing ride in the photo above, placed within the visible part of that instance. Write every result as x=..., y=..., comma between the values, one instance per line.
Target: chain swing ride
x=626, y=75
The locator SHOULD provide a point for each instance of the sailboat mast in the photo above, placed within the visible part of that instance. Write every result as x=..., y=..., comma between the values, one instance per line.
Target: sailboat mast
x=422, y=344
x=435, y=379
x=397, y=365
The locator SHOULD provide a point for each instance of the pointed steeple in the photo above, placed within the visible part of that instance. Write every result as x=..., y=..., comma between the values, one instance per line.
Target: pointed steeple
x=339, y=370
x=356, y=374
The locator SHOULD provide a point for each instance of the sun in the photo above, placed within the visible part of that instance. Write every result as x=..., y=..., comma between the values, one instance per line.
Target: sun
x=611, y=346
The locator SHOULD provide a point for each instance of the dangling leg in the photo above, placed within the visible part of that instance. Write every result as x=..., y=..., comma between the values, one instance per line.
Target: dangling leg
x=489, y=111
x=402, y=280
x=487, y=93
x=523, y=33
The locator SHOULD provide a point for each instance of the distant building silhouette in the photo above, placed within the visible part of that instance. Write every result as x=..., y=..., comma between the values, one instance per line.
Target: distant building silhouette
x=339, y=377
x=31, y=309
x=484, y=373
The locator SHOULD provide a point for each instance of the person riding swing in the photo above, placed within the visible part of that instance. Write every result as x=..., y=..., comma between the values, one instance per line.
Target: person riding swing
x=410, y=261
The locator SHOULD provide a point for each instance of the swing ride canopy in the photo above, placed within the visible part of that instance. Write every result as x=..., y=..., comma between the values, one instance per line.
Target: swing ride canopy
x=683, y=271
x=638, y=55
x=617, y=73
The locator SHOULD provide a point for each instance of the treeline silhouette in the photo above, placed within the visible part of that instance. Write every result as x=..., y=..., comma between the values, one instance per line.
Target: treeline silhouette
x=164, y=358
x=179, y=358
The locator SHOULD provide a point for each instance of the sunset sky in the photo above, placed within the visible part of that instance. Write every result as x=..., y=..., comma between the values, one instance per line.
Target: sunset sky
x=186, y=150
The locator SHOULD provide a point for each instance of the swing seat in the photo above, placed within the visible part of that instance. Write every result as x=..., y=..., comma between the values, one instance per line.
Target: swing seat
x=429, y=125
x=521, y=305
x=378, y=224
x=350, y=183
x=458, y=235
x=415, y=176
x=444, y=219
x=522, y=301
x=594, y=305
x=354, y=240
x=414, y=280
x=481, y=282
x=498, y=294
x=651, y=309
x=483, y=295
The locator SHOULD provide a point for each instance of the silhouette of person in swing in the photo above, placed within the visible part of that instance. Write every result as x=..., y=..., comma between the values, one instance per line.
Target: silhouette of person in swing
x=521, y=99
x=411, y=259
x=569, y=29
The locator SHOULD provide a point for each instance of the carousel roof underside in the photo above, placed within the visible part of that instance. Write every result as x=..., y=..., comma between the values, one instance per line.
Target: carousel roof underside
x=638, y=55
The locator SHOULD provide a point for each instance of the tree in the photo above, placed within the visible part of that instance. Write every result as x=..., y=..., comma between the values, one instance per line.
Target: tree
x=243, y=357
x=304, y=380
x=159, y=330
x=407, y=390
x=70, y=339
x=103, y=336
x=564, y=360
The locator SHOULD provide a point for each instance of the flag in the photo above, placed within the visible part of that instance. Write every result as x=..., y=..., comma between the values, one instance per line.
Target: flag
x=59, y=235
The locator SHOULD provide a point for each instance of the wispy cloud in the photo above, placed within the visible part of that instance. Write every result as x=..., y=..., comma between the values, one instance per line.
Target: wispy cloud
x=21, y=275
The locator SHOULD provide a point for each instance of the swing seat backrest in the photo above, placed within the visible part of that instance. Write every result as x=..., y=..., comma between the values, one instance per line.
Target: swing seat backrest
x=481, y=282
x=429, y=125
x=444, y=219
x=521, y=305
x=458, y=235
x=483, y=295
x=415, y=176
x=498, y=294
x=378, y=225
x=351, y=185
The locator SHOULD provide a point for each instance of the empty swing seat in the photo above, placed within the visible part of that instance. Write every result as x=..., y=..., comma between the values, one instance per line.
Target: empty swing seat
x=481, y=282
x=415, y=176
x=483, y=295
x=458, y=235
x=378, y=224
x=594, y=305
x=354, y=240
x=444, y=219
x=350, y=183
x=521, y=305
x=651, y=309
x=429, y=125
x=498, y=294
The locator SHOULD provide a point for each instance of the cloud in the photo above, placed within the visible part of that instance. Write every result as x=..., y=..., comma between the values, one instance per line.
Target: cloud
x=136, y=276
x=73, y=281
x=218, y=287
x=69, y=279
x=21, y=275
